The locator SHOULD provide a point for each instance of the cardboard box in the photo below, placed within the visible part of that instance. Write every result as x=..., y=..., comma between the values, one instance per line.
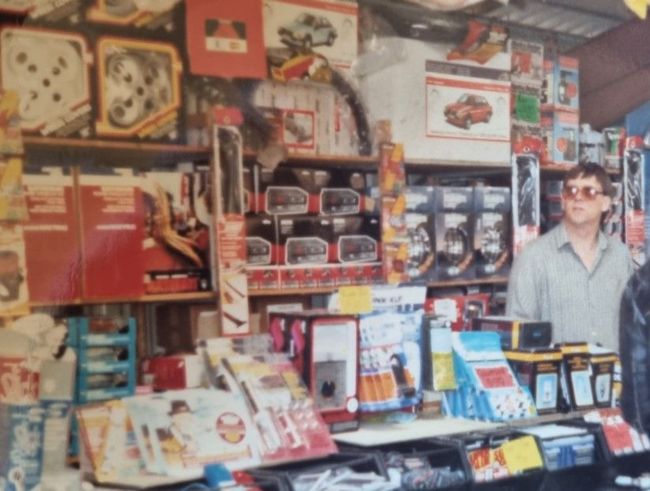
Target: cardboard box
x=178, y=226
x=527, y=63
x=138, y=89
x=328, y=27
x=561, y=136
x=454, y=245
x=450, y=110
x=58, y=90
x=561, y=84
x=146, y=15
x=226, y=39
x=261, y=241
x=539, y=370
x=52, y=246
x=112, y=234
x=516, y=333
x=576, y=381
x=460, y=310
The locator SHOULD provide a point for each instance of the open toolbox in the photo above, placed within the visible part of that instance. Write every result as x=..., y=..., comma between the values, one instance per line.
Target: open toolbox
x=501, y=460
x=573, y=454
x=421, y=464
x=327, y=473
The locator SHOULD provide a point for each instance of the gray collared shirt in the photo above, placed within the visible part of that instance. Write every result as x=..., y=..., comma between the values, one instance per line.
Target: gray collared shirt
x=549, y=282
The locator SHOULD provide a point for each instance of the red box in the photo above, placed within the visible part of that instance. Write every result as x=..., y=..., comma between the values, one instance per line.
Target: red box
x=112, y=234
x=174, y=372
x=460, y=309
x=52, y=248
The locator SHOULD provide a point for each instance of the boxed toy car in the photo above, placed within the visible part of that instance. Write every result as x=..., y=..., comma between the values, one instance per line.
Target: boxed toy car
x=516, y=333
x=561, y=84
x=539, y=370
x=328, y=28
x=466, y=99
x=561, y=135
x=140, y=14
x=50, y=71
x=138, y=89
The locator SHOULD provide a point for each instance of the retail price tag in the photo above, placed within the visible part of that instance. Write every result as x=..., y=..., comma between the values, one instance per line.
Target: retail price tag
x=355, y=299
x=522, y=454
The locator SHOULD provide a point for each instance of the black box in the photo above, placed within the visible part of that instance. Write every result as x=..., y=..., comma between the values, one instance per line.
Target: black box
x=516, y=333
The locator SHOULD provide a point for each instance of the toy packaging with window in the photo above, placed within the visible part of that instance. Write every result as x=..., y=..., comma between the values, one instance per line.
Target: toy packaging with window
x=516, y=333
x=329, y=28
x=50, y=71
x=454, y=229
x=525, y=199
x=138, y=89
x=538, y=369
x=561, y=135
x=561, y=84
x=420, y=223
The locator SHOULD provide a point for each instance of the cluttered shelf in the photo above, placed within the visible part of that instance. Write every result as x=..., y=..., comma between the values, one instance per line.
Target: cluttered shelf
x=162, y=297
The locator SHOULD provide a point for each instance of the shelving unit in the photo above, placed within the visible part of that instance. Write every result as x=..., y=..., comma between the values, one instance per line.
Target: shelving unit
x=167, y=297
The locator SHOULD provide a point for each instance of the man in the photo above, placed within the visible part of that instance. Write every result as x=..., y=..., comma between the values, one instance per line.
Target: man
x=574, y=275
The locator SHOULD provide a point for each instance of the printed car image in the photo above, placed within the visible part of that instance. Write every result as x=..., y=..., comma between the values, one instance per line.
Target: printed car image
x=307, y=31
x=469, y=109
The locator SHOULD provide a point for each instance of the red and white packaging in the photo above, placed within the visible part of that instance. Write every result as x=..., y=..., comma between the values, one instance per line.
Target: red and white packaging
x=52, y=247
x=174, y=372
x=112, y=235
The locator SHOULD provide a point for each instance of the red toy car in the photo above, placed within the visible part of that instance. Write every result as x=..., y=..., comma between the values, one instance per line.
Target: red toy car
x=469, y=109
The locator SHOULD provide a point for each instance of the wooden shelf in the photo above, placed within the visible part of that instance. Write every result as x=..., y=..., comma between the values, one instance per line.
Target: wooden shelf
x=277, y=292
x=166, y=297
x=563, y=168
x=353, y=161
x=106, y=152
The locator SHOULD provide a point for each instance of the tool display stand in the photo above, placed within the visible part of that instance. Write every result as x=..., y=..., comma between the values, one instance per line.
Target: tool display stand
x=438, y=454
x=101, y=375
x=528, y=480
x=290, y=472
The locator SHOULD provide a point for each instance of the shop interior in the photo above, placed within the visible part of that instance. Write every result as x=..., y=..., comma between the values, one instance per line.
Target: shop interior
x=266, y=244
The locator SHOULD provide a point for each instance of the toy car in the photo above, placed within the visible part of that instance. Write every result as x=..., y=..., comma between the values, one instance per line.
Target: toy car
x=307, y=31
x=469, y=109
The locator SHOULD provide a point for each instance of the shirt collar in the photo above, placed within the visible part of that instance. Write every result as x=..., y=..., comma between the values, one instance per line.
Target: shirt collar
x=562, y=238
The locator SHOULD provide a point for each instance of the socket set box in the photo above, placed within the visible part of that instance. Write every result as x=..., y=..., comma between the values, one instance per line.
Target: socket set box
x=50, y=71
x=539, y=369
x=138, y=89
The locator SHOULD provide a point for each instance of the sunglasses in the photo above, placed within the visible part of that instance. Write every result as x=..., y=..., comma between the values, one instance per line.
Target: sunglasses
x=588, y=193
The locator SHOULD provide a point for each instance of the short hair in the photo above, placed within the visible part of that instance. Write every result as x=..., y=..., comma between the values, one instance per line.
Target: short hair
x=591, y=169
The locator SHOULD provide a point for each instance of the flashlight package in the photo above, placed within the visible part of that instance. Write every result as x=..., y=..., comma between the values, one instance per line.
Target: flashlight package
x=525, y=199
x=492, y=230
x=634, y=196
x=50, y=71
x=138, y=89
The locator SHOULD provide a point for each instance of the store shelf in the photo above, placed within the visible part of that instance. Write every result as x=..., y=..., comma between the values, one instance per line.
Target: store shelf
x=120, y=153
x=167, y=297
x=562, y=168
x=278, y=292
x=475, y=282
x=352, y=161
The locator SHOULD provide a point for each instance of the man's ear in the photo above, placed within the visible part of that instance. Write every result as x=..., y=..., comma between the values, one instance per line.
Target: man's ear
x=607, y=203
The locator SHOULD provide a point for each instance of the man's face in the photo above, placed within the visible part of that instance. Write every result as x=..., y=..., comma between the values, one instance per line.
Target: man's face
x=583, y=201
